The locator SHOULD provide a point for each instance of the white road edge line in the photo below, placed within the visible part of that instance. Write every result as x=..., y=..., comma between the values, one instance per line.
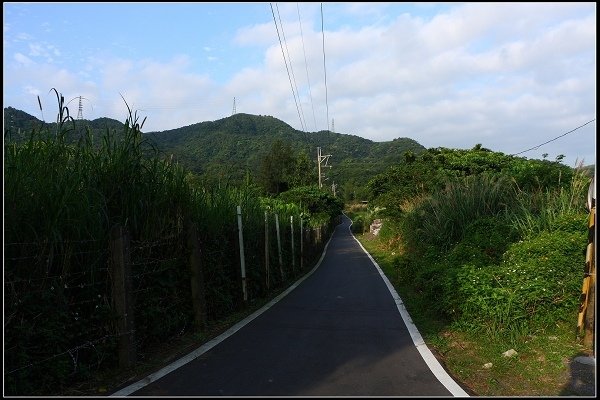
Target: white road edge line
x=212, y=343
x=435, y=366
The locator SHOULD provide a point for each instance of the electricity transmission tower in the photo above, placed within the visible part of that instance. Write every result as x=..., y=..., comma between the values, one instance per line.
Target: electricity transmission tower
x=233, y=111
x=320, y=159
x=80, y=106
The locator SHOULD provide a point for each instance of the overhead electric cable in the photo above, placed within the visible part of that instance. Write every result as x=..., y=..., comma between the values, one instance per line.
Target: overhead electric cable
x=564, y=134
x=286, y=66
x=291, y=65
x=324, y=67
x=306, y=64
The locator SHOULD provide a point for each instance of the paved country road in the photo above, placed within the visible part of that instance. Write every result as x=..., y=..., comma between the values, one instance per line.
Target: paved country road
x=341, y=331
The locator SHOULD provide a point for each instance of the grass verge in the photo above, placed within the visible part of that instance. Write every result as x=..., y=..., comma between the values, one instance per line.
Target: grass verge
x=543, y=366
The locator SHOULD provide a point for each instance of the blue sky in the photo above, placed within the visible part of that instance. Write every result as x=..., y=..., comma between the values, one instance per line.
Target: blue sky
x=509, y=76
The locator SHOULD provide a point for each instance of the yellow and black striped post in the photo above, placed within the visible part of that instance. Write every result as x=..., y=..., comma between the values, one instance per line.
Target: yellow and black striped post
x=587, y=312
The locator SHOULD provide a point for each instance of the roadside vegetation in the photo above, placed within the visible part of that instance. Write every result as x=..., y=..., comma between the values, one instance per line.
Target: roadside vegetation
x=487, y=251
x=66, y=189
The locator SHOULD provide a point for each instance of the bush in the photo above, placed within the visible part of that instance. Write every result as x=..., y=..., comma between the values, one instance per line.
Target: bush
x=536, y=285
x=314, y=200
x=358, y=224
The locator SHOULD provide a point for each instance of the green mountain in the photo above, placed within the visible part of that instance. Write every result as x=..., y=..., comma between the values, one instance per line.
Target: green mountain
x=18, y=124
x=232, y=148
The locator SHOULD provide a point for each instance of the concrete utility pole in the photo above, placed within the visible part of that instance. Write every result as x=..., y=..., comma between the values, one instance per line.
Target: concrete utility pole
x=321, y=159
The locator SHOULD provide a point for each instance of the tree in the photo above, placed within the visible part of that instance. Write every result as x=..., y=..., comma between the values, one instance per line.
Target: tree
x=304, y=173
x=276, y=168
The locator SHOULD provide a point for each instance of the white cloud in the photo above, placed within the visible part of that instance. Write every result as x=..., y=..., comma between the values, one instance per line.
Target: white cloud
x=256, y=35
x=23, y=37
x=35, y=49
x=32, y=90
x=22, y=59
x=507, y=75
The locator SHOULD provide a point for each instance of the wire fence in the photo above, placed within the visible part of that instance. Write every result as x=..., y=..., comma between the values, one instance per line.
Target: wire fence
x=63, y=322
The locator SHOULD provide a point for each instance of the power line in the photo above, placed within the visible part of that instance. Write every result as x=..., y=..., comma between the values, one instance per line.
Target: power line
x=286, y=66
x=306, y=64
x=172, y=107
x=291, y=65
x=324, y=67
x=564, y=134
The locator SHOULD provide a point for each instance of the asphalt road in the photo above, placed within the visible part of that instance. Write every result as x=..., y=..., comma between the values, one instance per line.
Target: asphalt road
x=340, y=332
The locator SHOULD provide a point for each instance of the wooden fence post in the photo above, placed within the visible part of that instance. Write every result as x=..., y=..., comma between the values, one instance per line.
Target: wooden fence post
x=242, y=257
x=301, y=245
x=279, y=248
x=197, y=277
x=267, y=249
x=293, y=251
x=587, y=311
x=121, y=295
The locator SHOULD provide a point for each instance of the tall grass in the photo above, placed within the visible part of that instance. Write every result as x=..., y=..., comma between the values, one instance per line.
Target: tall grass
x=441, y=219
x=62, y=198
x=495, y=259
x=64, y=192
x=546, y=209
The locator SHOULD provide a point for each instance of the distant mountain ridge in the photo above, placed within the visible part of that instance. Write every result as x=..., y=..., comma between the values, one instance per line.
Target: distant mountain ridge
x=15, y=119
x=233, y=146
x=237, y=144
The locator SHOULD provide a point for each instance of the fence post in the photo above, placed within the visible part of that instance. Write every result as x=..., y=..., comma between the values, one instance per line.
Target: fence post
x=242, y=259
x=121, y=295
x=197, y=277
x=267, y=249
x=293, y=251
x=301, y=245
x=587, y=310
x=279, y=248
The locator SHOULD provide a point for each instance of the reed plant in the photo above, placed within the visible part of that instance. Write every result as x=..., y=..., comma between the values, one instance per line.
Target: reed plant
x=64, y=192
x=440, y=220
x=551, y=209
x=495, y=258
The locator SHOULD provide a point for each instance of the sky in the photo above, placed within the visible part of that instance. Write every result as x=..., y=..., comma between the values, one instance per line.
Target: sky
x=517, y=78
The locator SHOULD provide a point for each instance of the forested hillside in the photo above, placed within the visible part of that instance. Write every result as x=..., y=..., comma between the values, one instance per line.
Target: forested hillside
x=242, y=147
x=18, y=125
x=231, y=147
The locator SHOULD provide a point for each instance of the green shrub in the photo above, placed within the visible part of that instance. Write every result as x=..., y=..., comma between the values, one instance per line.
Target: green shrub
x=536, y=285
x=358, y=224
